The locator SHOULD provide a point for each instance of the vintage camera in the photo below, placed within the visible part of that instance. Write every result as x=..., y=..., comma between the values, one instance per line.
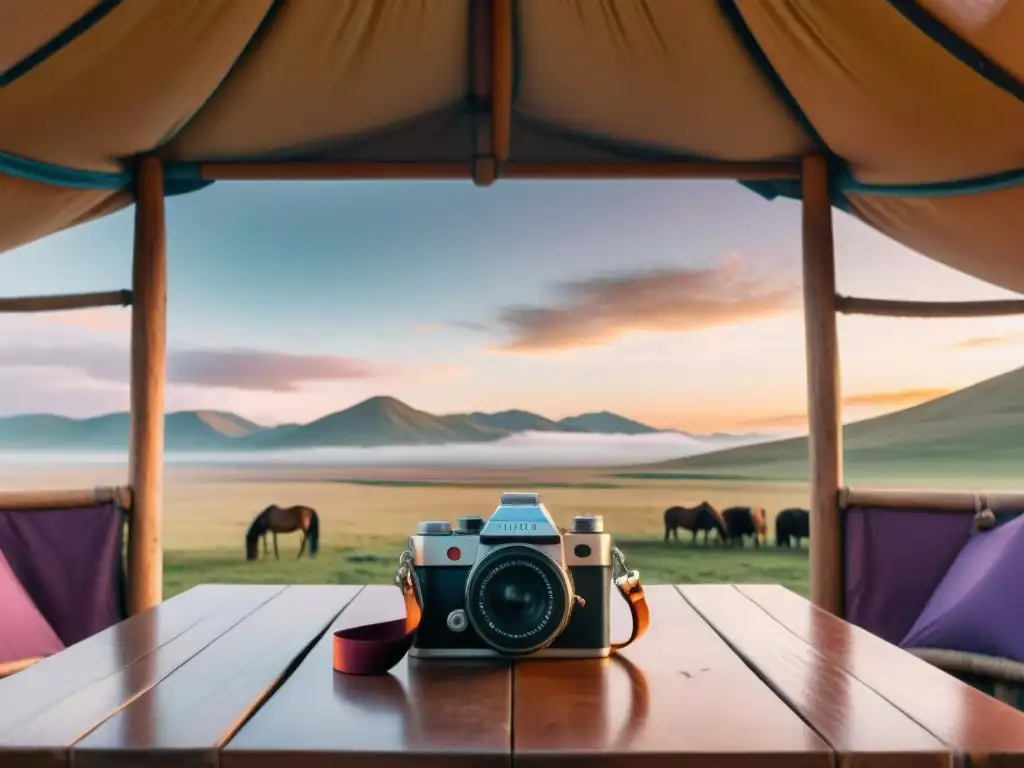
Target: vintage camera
x=513, y=585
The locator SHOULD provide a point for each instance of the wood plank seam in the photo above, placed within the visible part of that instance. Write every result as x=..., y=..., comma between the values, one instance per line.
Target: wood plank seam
x=761, y=676
x=435, y=713
x=188, y=718
x=954, y=754
x=960, y=758
x=90, y=683
x=286, y=673
x=688, y=688
x=89, y=692
x=145, y=689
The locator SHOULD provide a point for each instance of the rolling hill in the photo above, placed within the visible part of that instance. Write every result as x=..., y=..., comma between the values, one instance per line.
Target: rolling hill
x=974, y=432
x=606, y=423
x=516, y=421
x=186, y=430
x=378, y=421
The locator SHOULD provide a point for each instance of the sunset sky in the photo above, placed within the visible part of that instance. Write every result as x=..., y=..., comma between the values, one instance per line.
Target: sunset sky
x=675, y=303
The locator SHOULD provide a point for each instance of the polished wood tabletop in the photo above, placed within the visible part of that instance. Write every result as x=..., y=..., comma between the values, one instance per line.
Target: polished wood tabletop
x=240, y=676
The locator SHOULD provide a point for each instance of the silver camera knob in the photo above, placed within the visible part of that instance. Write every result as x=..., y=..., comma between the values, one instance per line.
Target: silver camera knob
x=588, y=524
x=457, y=621
x=433, y=528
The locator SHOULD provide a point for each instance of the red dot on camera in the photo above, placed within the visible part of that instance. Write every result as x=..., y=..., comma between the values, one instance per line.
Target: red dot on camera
x=454, y=553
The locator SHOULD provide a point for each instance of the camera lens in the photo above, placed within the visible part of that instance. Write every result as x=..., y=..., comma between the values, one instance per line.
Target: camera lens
x=517, y=599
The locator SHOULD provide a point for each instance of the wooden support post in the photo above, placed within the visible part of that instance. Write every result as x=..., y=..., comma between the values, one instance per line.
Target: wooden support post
x=823, y=387
x=149, y=361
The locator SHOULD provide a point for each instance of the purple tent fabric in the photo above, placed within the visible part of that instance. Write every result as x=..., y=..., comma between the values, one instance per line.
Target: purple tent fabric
x=24, y=633
x=69, y=562
x=893, y=561
x=979, y=606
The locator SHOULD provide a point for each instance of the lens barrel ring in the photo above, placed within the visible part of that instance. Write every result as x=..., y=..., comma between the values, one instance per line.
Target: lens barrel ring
x=506, y=560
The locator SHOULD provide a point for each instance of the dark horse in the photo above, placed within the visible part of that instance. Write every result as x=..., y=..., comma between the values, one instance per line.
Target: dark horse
x=792, y=523
x=703, y=517
x=745, y=521
x=275, y=520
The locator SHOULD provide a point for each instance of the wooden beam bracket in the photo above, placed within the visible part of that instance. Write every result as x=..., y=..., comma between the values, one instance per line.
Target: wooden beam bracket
x=61, y=302
x=485, y=170
x=852, y=305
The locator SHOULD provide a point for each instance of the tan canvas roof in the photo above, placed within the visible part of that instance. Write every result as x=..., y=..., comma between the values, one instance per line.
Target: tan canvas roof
x=919, y=104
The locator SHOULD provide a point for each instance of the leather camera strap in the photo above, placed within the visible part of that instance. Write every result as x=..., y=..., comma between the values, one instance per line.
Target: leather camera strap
x=373, y=649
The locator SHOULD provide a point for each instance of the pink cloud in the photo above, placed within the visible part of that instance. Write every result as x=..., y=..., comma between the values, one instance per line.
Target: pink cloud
x=601, y=309
x=236, y=368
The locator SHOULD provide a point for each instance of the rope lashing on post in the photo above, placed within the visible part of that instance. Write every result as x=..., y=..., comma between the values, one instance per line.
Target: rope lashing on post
x=984, y=518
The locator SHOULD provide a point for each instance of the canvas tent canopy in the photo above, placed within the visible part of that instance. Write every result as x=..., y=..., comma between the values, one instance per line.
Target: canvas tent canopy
x=908, y=114
x=918, y=105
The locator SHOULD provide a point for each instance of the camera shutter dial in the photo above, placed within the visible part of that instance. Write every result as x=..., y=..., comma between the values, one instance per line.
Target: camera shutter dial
x=588, y=524
x=473, y=524
x=434, y=528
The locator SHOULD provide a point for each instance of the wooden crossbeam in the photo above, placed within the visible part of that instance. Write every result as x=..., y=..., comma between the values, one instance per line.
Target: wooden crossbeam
x=411, y=171
x=29, y=501
x=850, y=305
x=66, y=301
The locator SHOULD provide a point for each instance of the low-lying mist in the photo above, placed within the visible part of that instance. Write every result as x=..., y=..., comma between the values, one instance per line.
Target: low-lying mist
x=527, y=449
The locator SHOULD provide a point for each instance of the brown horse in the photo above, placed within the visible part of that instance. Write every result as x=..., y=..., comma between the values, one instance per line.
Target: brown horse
x=745, y=521
x=702, y=517
x=275, y=520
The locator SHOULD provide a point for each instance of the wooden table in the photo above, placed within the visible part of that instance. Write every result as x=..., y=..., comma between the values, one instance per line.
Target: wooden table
x=240, y=677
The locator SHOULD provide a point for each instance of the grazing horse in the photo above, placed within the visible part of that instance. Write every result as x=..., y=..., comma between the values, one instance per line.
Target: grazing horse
x=275, y=520
x=745, y=521
x=703, y=517
x=792, y=523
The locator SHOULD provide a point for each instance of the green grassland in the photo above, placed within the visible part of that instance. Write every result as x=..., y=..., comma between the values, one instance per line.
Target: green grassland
x=374, y=562
x=366, y=519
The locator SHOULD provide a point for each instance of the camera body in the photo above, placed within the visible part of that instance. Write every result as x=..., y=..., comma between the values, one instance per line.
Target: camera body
x=513, y=585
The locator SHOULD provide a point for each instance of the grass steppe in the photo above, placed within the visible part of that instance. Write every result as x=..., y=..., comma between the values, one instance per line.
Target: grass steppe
x=368, y=514
x=969, y=439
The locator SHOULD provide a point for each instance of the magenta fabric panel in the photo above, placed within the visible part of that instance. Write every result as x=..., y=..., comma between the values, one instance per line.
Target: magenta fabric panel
x=69, y=561
x=24, y=633
x=894, y=559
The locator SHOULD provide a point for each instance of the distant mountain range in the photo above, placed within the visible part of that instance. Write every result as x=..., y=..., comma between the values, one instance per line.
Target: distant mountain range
x=974, y=432
x=379, y=421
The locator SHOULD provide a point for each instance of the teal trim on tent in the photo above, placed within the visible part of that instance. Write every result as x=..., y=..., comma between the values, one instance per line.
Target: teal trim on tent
x=182, y=178
x=791, y=189
x=995, y=182
x=71, y=33
x=179, y=178
x=958, y=48
x=59, y=176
